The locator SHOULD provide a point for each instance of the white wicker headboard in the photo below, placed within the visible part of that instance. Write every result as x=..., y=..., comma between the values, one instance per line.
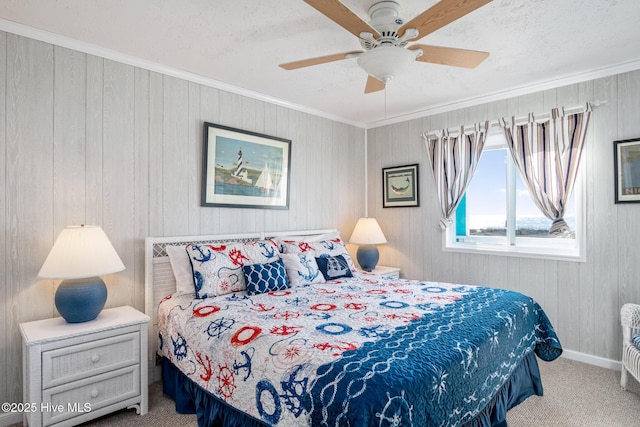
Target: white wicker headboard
x=159, y=278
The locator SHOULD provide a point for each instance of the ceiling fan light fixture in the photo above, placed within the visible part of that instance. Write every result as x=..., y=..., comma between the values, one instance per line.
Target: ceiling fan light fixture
x=386, y=62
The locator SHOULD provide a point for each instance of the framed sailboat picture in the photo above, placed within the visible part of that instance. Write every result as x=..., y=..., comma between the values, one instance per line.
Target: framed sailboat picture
x=400, y=186
x=245, y=169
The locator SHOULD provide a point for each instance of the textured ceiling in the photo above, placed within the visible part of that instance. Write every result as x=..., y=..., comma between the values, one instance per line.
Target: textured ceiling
x=532, y=43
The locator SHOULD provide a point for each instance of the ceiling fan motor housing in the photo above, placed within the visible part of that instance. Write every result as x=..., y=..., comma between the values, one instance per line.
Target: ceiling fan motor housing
x=386, y=56
x=386, y=20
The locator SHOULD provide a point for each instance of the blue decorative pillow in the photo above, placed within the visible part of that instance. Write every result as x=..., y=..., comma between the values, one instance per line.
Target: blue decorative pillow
x=636, y=340
x=261, y=278
x=333, y=267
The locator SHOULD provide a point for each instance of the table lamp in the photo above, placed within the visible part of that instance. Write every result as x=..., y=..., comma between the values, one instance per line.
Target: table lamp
x=367, y=234
x=79, y=256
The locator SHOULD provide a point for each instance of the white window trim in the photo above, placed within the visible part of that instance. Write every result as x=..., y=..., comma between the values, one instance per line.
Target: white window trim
x=528, y=247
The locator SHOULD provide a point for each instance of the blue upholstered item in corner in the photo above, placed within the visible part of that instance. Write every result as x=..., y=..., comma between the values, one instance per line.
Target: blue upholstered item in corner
x=636, y=340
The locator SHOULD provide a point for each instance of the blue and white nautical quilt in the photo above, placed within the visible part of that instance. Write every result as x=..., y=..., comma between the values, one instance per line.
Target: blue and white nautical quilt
x=360, y=351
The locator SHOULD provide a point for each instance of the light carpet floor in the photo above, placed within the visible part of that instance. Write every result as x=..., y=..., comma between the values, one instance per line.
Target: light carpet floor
x=575, y=395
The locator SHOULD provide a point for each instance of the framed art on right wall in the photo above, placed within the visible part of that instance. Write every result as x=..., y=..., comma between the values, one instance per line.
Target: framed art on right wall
x=626, y=154
x=400, y=186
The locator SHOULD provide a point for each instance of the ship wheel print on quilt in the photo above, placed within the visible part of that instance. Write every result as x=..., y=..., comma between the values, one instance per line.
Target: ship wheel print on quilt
x=219, y=326
x=294, y=390
x=397, y=411
x=226, y=382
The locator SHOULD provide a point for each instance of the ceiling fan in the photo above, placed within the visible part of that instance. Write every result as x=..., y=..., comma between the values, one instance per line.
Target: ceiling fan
x=386, y=36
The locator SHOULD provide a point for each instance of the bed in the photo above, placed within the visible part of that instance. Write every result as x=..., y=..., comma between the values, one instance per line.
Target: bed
x=280, y=329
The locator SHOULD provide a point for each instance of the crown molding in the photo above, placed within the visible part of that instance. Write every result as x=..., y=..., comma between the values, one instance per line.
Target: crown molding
x=92, y=49
x=511, y=93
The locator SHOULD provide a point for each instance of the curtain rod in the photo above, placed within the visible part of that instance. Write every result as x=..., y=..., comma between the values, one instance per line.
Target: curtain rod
x=538, y=117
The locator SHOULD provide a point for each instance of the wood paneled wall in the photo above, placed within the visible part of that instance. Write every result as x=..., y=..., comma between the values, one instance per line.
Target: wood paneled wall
x=582, y=299
x=89, y=140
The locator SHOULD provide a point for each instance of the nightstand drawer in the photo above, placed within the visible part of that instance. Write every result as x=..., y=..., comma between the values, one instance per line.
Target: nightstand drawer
x=90, y=394
x=385, y=272
x=75, y=362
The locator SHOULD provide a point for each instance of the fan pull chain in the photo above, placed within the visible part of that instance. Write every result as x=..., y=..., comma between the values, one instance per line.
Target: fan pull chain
x=385, y=101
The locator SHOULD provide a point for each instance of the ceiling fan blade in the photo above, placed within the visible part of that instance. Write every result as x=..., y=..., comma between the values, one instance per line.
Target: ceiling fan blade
x=373, y=85
x=450, y=55
x=318, y=60
x=343, y=16
x=441, y=14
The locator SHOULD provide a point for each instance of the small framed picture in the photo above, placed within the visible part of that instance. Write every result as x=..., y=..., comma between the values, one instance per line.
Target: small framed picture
x=400, y=187
x=245, y=169
x=626, y=154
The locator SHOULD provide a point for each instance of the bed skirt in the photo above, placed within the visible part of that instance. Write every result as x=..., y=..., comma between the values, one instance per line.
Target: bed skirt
x=211, y=411
x=190, y=398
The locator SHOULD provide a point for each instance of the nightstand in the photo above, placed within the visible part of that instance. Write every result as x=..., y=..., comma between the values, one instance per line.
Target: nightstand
x=386, y=272
x=74, y=372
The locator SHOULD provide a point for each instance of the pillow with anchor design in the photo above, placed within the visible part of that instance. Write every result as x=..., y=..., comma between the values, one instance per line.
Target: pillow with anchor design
x=302, y=268
x=330, y=247
x=217, y=267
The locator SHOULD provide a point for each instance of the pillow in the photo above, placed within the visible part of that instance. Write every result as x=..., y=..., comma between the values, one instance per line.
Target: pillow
x=308, y=238
x=217, y=268
x=302, y=268
x=262, y=278
x=333, y=267
x=179, y=260
x=330, y=247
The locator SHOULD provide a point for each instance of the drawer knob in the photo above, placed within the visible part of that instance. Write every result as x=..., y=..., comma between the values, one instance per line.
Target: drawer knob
x=95, y=393
x=95, y=358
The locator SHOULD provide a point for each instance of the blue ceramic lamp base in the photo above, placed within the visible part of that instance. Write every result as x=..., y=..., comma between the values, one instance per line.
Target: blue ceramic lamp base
x=81, y=300
x=367, y=256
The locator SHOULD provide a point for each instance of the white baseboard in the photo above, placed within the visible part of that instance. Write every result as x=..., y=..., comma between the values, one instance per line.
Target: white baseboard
x=10, y=419
x=592, y=360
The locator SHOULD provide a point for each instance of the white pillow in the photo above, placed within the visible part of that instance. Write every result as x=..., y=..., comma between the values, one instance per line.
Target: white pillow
x=181, y=267
x=302, y=268
x=309, y=238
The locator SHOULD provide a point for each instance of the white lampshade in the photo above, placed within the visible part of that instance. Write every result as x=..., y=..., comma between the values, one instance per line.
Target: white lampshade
x=367, y=232
x=79, y=252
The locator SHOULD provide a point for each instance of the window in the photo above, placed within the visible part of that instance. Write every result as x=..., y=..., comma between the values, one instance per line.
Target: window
x=498, y=215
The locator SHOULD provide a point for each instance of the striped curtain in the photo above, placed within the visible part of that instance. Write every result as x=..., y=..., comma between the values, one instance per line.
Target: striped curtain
x=453, y=162
x=547, y=155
